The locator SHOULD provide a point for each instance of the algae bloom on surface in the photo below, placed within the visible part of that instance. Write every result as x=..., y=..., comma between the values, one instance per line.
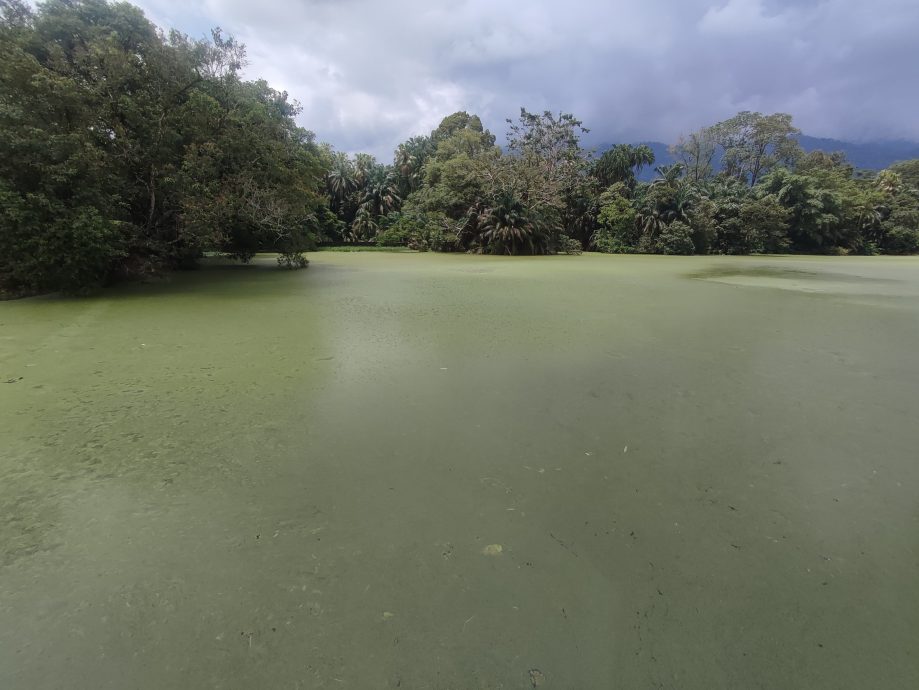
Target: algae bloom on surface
x=245, y=477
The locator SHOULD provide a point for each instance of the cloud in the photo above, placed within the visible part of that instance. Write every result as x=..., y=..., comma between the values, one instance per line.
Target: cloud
x=370, y=74
x=740, y=17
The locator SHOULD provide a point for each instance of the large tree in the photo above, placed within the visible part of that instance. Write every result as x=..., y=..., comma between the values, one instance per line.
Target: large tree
x=124, y=150
x=753, y=144
x=697, y=153
x=622, y=163
x=908, y=172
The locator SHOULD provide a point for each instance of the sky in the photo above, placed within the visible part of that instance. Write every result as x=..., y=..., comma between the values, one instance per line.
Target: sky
x=369, y=74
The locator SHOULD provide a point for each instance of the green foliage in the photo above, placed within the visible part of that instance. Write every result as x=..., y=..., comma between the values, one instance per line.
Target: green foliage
x=617, y=230
x=252, y=185
x=507, y=226
x=899, y=228
x=125, y=151
x=759, y=225
x=767, y=197
x=908, y=172
x=675, y=238
x=580, y=209
x=396, y=233
x=434, y=234
x=419, y=230
x=48, y=245
x=570, y=245
x=474, y=198
x=409, y=163
x=901, y=240
x=548, y=140
x=292, y=260
x=753, y=144
x=702, y=220
x=696, y=153
x=621, y=164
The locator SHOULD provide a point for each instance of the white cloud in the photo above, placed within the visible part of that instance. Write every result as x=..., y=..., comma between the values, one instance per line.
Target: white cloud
x=370, y=74
x=739, y=17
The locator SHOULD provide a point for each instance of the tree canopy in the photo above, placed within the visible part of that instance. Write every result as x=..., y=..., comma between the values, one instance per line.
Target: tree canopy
x=126, y=150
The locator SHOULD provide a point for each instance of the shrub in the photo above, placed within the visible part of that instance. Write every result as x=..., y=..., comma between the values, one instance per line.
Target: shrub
x=617, y=232
x=394, y=236
x=901, y=240
x=46, y=246
x=429, y=237
x=675, y=238
x=417, y=230
x=292, y=260
x=569, y=245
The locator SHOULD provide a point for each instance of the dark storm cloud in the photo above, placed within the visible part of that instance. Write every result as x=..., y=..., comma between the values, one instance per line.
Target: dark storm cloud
x=369, y=74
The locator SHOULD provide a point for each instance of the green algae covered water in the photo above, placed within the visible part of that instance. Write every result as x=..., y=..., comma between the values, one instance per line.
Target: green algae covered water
x=435, y=471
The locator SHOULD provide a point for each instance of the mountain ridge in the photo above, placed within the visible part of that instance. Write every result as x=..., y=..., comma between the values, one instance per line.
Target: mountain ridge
x=871, y=155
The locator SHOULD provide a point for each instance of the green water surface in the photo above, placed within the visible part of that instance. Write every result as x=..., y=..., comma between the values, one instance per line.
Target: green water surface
x=439, y=471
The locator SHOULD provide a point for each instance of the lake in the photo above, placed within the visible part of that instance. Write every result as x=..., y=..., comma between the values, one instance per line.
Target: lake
x=449, y=471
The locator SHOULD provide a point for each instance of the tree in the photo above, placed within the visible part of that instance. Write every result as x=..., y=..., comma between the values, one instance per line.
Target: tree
x=753, y=144
x=550, y=141
x=898, y=210
x=381, y=191
x=908, y=172
x=457, y=122
x=822, y=165
x=580, y=206
x=675, y=238
x=254, y=185
x=342, y=183
x=697, y=153
x=622, y=163
x=701, y=218
x=814, y=212
x=548, y=166
x=759, y=225
x=63, y=224
x=617, y=230
x=126, y=150
x=668, y=174
x=452, y=179
x=507, y=226
x=409, y=162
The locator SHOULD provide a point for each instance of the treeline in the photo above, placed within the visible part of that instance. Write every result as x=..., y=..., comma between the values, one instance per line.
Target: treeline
x=125, y=151
x=742, y=186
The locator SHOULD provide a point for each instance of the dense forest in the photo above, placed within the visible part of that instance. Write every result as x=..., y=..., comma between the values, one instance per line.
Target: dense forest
x=126, y=151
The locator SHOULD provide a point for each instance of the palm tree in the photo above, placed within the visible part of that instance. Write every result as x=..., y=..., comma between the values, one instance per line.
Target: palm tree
x=340, y=180
x=679, y=205
x=668, y=174
x=652, y=223
x=364, y=164
x=622, y=163
x=813, y=221
x=363, y=227
x=506, y=226
x=381, y=192
x=409, y=163
x=889, y=182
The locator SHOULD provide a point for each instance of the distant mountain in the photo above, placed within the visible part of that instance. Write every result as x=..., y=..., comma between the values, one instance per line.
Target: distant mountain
x=875, y=155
